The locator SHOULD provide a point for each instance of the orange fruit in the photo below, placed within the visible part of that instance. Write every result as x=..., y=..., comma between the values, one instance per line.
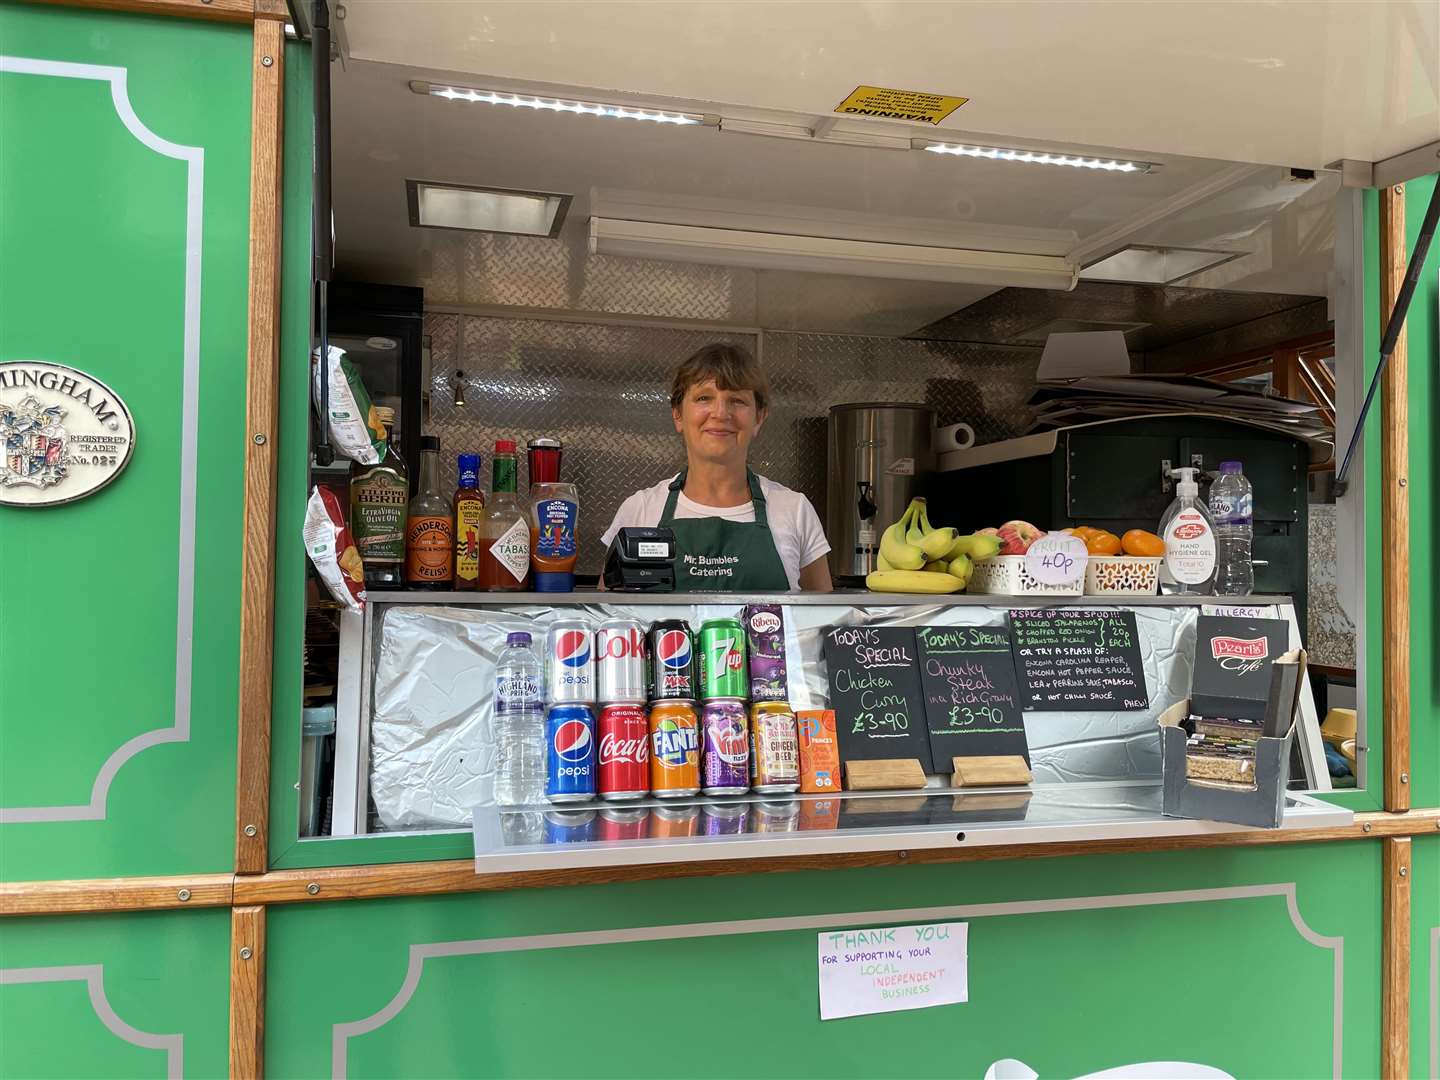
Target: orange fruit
x=1140, y=542
x=1102, y=543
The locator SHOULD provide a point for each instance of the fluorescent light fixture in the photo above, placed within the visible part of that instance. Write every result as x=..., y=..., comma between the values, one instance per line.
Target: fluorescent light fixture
x=827, y=255
x=477, y=209
x=1142, y=264
x=560, y=105
x=1035, y=157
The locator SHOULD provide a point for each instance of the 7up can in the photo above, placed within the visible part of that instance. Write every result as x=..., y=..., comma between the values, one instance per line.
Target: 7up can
x=723, y=671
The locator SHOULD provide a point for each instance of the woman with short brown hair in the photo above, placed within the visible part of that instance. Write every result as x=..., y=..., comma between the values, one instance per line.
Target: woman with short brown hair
x=735, y=531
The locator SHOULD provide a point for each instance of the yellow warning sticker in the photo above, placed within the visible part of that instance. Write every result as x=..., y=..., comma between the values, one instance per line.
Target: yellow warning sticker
x=899, y=104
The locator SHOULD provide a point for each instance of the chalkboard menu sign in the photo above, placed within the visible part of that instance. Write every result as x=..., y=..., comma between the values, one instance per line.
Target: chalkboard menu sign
x=1078, y=659
x=972, y=702
x=874, y=681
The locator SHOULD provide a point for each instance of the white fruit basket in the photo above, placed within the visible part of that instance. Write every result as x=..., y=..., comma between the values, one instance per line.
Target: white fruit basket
x=1005, y=575
x=1122, y=575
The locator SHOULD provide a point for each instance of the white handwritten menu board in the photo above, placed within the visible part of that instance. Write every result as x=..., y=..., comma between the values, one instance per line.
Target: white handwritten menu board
x=1078, y=659
x=972, y=701
x=875, y=691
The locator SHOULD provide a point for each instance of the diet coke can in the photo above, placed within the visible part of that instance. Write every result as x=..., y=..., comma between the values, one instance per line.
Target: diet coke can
x=725, y=756
x=624, y=754
x=569, y=663
x=620, y=661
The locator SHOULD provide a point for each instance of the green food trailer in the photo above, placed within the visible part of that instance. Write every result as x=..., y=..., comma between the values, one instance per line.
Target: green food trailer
x=163, y=913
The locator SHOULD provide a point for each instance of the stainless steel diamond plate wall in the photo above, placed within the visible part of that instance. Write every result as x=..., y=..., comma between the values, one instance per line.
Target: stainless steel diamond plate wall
x=604, y=390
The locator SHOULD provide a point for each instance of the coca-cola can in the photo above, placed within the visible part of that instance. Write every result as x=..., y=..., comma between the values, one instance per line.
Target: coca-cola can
x=623, y=823
x=624, y=752
x=620, y=661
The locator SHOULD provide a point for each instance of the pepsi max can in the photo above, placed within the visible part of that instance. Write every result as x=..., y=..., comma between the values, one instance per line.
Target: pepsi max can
x=674, y=672
x=569, y=663
x=570, y=753
x=620, y=662
x=569, y=826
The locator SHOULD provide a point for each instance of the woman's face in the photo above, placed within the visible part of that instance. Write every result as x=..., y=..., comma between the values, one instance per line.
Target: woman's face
x=717, y=425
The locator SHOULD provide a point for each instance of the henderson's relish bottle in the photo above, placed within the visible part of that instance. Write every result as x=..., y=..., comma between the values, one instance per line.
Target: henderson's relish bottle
x=505, y=535
x=469, y=504
x=378, y=494
x=429, y=528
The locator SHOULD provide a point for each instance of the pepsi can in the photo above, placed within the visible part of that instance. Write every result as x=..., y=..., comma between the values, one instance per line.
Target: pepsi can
x=674, y=674
x=569, y=826
x=570, y=753
x=569, y=663
x=620, y=662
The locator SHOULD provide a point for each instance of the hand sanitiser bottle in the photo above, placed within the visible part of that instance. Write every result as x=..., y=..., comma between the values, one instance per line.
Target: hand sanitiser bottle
x=1189, y=535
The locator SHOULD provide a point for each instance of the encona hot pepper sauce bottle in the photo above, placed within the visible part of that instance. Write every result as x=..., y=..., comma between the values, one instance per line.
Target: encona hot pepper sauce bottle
x=469, y=507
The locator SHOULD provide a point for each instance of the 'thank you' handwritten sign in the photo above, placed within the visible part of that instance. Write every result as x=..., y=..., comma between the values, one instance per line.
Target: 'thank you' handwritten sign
x=890, y=969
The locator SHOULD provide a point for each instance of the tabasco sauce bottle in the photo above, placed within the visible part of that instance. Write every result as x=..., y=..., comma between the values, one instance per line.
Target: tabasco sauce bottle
x=429, y=527
x=469, y=507
x=505, y=534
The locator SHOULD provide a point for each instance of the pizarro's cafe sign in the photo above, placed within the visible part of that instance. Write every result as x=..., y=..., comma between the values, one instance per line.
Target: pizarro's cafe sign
x=64, y=434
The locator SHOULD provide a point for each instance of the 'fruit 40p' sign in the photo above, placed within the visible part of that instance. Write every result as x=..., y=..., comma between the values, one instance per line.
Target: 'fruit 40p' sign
x=64, y=434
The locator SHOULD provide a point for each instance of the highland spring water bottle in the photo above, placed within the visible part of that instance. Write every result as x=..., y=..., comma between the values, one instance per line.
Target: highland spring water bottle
x=519, y=725
x=1231, y=502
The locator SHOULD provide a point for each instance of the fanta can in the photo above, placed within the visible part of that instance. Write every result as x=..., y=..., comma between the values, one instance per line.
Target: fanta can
x=674, y=749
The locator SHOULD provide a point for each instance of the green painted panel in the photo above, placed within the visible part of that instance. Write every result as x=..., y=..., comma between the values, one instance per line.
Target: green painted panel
x=1425, y=957
x=117, y=128
x=1066, y=991
x=133, y=995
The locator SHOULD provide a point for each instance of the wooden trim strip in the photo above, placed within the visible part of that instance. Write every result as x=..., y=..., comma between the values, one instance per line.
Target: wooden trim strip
x=247, y=992
x=115, y=894
x=1395, y=960
x=236, y=11
x=257, y=584
x=459, y=876
x=1395, y=513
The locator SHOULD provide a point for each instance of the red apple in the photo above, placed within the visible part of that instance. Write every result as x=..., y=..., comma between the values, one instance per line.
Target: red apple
x=1017, y=536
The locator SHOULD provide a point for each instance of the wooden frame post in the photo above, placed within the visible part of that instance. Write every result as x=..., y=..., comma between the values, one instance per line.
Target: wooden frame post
x=1395, y=960
x=1395, y=513
x=257, y=599
x=247, y=992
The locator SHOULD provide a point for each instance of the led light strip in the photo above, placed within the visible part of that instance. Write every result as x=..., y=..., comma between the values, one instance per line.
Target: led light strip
x=560, y=105
x=1037, y=157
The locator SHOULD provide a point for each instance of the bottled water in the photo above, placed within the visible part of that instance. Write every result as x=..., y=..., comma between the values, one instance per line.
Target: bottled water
x=519, y=725
x=1231, y=502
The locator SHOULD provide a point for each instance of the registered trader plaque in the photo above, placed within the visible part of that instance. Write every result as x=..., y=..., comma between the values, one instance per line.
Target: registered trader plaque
x=65, y=434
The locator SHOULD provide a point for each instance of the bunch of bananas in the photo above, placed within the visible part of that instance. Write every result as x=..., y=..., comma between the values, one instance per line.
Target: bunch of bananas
x=917, y=558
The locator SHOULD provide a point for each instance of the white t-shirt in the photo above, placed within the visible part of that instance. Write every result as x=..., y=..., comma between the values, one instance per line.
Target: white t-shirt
x=799, y=537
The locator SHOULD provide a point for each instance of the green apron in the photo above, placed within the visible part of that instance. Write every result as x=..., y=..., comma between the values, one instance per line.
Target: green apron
x=715, y=555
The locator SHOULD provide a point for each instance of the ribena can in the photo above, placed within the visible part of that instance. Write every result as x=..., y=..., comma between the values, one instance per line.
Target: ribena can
x=722, y=660
x=725, y=820
x=624, y=752
x=570, y=753
x=674, y=674
x=775, y=817
x=674, y=749
x=765, y=635
x=569, y=663
x=620, y=661
x=671, y=821
x=623, y=823
x=774, y=748
x=725, y=759
x=569, y=826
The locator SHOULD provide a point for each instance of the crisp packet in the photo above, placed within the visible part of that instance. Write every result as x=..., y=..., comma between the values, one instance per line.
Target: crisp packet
x=332, y=551
x=819, y=751
x=354, y=427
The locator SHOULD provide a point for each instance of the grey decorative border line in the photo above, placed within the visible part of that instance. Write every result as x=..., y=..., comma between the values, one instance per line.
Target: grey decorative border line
x=1435, y=1003
x=93, y=976
x=194, y=157
x=342, y=1033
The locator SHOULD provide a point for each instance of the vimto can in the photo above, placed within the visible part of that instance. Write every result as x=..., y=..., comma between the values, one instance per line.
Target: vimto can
x=774, y=748
x=725, y=820
x=674, y=749
x=723, y=672
x=725, y=760
x=620, y=661
x=570, y=753
x=569, y=826
x=674, y=674
x=624, y=752
x=569, y=663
